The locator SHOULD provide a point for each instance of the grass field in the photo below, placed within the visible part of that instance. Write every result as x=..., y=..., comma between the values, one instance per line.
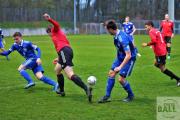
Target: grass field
x=93, y=55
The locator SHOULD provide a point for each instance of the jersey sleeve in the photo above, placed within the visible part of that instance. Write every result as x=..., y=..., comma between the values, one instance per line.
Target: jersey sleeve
x=125, y=43
x=35, y=47
x=55, y=24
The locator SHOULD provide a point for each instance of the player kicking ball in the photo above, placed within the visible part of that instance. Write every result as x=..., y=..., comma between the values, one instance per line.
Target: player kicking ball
x=65, y=56
x=159, y=46
x=123, y=64
x=33, y=61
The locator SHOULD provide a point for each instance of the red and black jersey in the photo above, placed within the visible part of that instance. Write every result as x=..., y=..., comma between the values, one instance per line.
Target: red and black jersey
x=167, y=27
x=157, y=42
x=58, y=37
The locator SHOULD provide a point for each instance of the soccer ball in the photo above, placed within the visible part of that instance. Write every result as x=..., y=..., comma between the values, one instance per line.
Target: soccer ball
x=91, y=80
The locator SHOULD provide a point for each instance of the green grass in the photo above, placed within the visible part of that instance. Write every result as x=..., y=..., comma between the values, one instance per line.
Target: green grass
x=35, y=24
x=93, y=55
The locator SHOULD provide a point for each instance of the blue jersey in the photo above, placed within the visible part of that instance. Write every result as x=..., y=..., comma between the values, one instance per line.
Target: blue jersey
x=128, y=27
x=123, y=43
x=26, y=49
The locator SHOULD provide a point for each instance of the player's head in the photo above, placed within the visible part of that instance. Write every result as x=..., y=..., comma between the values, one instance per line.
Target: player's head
x=17, y=37
x=149, y=25
x=127, y=19
x=166, y=17
x=48, y=29
x=111, y=27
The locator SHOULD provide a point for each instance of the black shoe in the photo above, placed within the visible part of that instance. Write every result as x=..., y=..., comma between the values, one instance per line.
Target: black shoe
x=89, y=93
x=128, y=98
x=104, y=99
x=61, y=93
x=178, y=82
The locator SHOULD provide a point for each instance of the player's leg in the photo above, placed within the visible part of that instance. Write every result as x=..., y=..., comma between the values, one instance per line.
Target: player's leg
x=160, y=63
x=60, y=79
x=22, y=71
x=125, y=72
x=109, y=87
x=168, y=46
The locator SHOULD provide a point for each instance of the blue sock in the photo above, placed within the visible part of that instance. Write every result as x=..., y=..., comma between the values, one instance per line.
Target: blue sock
x=48, y=81
x=136, y=50
x=110, y=85
x=26, y=76
x=128, y=89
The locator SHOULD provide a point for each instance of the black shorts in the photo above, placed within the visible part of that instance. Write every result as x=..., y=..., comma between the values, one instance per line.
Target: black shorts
x=167, y=39
x=161, y=60
x=65, y=56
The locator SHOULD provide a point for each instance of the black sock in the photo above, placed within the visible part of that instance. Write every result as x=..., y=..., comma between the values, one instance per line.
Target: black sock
x=60, y=79
x=171, y=74
x=168, y=50
x=77, y=80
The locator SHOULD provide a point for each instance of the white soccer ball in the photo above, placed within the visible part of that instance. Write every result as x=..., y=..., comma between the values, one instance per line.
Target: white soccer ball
x=91, y=80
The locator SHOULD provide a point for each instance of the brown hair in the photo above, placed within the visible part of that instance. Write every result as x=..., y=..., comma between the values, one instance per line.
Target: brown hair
x=17, y=34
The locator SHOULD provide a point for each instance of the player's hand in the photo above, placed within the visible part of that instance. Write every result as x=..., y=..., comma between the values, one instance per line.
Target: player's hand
x=55, y=61
x=144, y=44
x=117, y=69
x=38, y=61
x=46, y=16
x=172, y=35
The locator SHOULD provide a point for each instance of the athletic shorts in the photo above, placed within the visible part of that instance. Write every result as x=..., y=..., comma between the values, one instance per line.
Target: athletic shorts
x=161, y=60
x=32, y=65
x=167, y=39
x=65, y=56
x=127, y=69
x=1, y=45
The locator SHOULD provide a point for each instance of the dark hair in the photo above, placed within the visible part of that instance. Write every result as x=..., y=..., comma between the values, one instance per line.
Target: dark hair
x=111, y=25
x=48, y=29
x=17, y=34
x=149, y=23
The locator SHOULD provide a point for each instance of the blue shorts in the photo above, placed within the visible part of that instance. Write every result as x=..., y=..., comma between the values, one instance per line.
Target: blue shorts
x=1, y=45
x=127, y=69
x=32, y=65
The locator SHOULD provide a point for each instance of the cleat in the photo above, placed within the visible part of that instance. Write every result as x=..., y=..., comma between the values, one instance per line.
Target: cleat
x=138, y=54
x=178, y=83
x=29, y=85
x=104, y=99
x=168, y=57
x=56, y=87
x=61, y=93
x=128, y=99
x=89, y=93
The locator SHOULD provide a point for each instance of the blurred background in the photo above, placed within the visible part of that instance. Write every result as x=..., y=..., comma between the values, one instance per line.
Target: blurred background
x=86, y=18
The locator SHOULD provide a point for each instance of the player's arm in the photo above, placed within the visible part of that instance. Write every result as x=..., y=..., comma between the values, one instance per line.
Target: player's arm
x=161, y=27
x=152, y=42
x=55, y=23
x=172, y=28
x=134, y=30
x=7, y=52
x=35, y=47
x=126, y=59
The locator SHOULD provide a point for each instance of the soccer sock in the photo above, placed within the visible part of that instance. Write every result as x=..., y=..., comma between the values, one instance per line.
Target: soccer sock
x=110, y=85
x=128, y=89
x=77, y=80
x=169, y=50
x=60, y=79
x=48, y=81
x=171, y=74
x=26, y=76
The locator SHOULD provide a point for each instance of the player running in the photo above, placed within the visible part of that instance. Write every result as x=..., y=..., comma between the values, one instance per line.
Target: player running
x=159, y=47
x=129, y=28
x=123, y=64
x=65, y=56
x=1, y=43
x=33, y=61
x=167, y=29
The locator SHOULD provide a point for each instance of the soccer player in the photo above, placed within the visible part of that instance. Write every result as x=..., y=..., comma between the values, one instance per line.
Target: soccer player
x=129, y=28
x=159, y=46
x=167, y=29
x=1, y=43
x=33, y=61
x=65, y=56
x=123, y=64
